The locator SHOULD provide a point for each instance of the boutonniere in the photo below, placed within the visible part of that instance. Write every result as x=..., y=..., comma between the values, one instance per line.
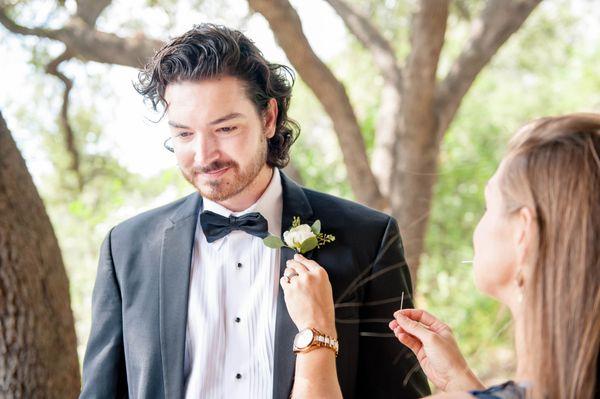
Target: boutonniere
x=300, y=237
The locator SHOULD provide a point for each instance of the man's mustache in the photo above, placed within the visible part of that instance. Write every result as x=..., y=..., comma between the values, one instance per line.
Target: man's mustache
x=217, y=165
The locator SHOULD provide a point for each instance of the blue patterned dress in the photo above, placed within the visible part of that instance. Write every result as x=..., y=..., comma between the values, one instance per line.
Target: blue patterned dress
x=508, y=390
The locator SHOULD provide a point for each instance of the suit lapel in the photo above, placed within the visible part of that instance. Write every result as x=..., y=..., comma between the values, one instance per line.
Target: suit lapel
x=176, y=255
x=295, y=203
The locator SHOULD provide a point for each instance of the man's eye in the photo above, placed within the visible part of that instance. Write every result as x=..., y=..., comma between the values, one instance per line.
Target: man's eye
x=184, y=135
x=227, y=129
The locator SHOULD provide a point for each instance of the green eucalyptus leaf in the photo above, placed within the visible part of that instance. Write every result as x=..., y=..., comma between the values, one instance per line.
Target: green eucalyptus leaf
x=273, y=242
x=308, y=244
x=316, y=227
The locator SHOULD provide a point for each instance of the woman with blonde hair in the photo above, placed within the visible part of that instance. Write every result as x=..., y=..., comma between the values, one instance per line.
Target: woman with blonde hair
x=537, y=250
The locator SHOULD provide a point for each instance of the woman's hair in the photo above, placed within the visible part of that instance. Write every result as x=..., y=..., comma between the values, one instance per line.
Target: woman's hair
x=210, y=51
x=553, y=168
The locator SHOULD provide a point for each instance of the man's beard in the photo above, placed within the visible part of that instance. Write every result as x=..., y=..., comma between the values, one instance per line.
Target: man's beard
x=234, y=182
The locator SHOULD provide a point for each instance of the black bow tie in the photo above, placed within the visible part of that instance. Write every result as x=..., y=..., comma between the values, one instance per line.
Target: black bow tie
x=216, y=226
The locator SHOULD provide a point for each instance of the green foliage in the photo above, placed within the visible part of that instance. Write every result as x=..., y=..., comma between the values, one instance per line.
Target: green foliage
x=324, y=239
x=308, y=244
x=273, y=242
x=316, y=227
x=296, y=222
x=319, y=239
x=517, y=87
x=549, y=67
x=316, y=153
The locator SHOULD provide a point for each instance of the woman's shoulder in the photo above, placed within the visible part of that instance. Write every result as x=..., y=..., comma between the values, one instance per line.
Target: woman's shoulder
x=451, y=395
x=508, y=390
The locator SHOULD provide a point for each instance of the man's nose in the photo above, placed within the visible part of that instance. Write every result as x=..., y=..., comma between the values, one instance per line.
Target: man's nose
x=205, y=147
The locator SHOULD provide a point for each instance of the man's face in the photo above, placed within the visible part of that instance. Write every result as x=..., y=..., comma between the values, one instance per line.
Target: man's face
x=219, y=138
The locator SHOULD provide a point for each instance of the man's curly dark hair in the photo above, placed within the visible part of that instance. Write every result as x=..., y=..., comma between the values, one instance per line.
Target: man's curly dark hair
x=209, y=51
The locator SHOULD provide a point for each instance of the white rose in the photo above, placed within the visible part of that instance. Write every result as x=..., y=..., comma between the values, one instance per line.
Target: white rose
x=296, y=236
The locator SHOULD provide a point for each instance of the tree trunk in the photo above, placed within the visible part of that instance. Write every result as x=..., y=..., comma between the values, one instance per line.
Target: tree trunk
x=38, y=357
x=411, y=192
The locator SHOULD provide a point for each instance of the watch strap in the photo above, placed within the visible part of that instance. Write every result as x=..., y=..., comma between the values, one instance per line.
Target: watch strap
x=320, y=340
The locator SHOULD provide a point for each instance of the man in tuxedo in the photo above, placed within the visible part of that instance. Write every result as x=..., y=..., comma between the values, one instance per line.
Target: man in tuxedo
x=186, y=301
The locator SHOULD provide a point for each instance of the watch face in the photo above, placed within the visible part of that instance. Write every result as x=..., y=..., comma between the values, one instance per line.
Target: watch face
x=303, y=338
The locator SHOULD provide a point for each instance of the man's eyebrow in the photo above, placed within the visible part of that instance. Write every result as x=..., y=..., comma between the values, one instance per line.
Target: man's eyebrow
x=215, y=122
x=226, y=118
x=177, y=125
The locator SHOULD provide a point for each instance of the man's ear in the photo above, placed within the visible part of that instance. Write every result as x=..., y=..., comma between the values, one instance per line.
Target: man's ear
x=525, y=235
x=270, y=118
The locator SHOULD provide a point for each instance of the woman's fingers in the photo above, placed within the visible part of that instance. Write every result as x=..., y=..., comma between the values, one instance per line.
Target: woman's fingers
x=310, y=265
x=412, y=327
x=419, y=315
x=409, y=341
x=291, y=271
x=424, y=317
x=297, y=266
x=283, y=281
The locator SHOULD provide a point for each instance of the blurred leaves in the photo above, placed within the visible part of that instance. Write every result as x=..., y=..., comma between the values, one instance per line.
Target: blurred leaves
x=549, y=67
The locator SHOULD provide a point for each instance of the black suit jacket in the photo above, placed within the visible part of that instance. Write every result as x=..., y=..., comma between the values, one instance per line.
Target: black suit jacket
x=139, y=305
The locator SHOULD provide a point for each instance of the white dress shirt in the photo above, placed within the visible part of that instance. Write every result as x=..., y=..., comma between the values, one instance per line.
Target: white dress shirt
x=232, y=305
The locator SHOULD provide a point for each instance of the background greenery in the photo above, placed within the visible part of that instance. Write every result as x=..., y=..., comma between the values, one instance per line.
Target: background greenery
x=549, y=67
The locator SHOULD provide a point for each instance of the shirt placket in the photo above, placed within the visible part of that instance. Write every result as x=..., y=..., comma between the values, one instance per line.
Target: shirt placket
x=237, y=278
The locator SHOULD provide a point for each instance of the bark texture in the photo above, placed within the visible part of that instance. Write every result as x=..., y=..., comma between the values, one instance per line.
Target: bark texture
x=38, y=357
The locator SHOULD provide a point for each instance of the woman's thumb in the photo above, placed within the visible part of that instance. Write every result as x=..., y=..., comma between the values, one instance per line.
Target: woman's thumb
x=412, y=327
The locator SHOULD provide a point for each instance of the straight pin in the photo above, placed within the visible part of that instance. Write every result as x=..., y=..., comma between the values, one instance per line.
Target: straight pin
x=402, y=301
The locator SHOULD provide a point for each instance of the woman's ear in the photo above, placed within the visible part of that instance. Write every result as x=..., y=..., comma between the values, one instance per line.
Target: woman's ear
x=525, y=236
x=270, y=118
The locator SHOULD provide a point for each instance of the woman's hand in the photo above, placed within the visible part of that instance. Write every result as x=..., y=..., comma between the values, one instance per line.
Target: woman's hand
x=308, y=295
x=436, y=349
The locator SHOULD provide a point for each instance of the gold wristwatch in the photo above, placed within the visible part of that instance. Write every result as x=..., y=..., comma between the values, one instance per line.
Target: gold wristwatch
x=311, y=338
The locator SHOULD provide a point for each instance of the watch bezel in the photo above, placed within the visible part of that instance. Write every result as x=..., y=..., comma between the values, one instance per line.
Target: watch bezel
x=301, y=333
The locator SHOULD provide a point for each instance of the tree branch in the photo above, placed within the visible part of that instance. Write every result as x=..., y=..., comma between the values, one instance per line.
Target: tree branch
x=462, y=9
x=389, y=113
x=416, y=148
x=94, y=45
x=84, y=42
x=497, y=22
x=427, y=39
x=89, y=44
x=389, y=122
x=22, y=30
x=90, y=10
x=370, y=37
x=416, y=137
x=287, y=28
x=68, y=134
